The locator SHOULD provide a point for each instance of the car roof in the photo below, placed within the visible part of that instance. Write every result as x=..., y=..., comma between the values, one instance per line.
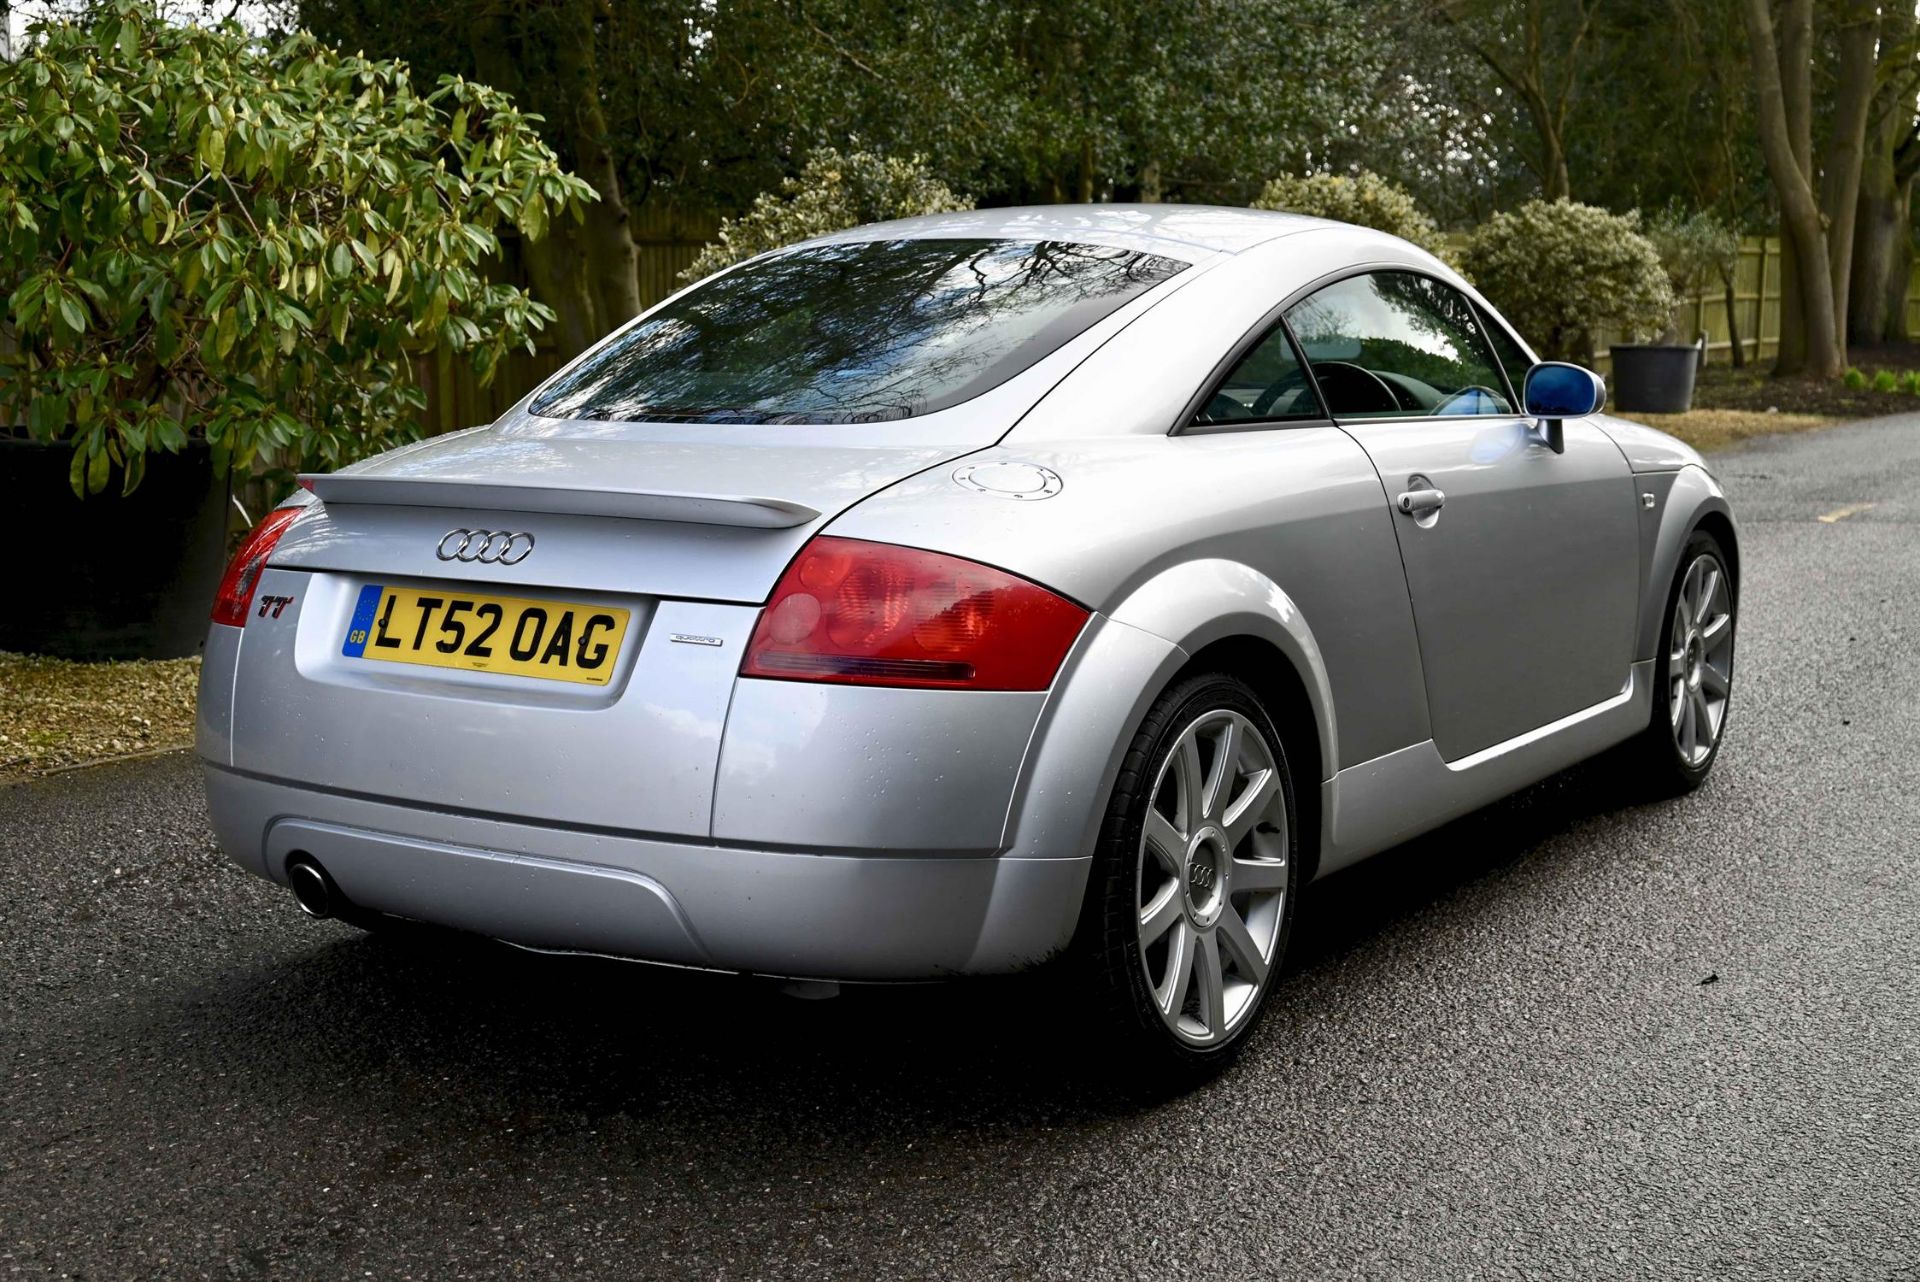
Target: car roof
x=1169, y=229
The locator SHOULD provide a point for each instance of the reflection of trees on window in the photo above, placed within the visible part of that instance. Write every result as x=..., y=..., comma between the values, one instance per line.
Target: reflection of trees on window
x=1417, y=330
x=1428, y=307
x=855, y=332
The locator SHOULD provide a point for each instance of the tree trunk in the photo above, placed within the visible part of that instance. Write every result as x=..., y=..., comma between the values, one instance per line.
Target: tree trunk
x=1152, y=186
x=557, y=271
x=1879, y=223
x=1790, y=348
x=1782, y=78
x=611, y=262
x=1882, y=235
x=1555, y=181
x=587, y=272
x=1840, y=177
x=1900, y=278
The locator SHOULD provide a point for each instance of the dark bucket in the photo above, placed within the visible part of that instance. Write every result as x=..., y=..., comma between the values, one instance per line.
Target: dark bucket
x=109, y=577
x=1653, y=378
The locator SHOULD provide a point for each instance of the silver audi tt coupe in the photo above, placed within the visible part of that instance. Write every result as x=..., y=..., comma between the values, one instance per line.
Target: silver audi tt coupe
x=947, y=596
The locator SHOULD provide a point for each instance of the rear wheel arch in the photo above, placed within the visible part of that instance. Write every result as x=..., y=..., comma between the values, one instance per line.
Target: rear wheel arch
x=1283, y=692
x=1227, y=616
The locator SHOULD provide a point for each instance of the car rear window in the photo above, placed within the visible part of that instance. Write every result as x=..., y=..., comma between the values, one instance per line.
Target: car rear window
x=855, y=332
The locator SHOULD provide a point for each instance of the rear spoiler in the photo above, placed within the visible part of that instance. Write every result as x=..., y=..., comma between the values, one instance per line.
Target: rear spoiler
x=510, y=496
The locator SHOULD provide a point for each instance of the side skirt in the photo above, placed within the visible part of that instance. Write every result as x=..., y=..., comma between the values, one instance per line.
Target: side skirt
x=1397, y=796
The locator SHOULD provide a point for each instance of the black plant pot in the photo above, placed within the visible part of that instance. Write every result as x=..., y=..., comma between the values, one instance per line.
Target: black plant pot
x=1654, y=378
x=109, y=577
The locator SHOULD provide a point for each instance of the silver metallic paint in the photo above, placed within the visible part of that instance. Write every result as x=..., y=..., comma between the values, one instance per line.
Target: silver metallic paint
x=1299, y=507
x=1524, y=584
x=1692, y=495
x=814, y=914
x=870, y=768
x=1396, y=797
x=840, y=832
x=213, y=710
x=638, y=754
x=577, y=553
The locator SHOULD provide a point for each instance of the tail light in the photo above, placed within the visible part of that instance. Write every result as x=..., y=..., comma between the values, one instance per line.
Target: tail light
x=862, y=613
x=230, y=605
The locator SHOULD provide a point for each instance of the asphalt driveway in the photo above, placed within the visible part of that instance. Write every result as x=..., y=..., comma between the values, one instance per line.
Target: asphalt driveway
x=1569, y=1035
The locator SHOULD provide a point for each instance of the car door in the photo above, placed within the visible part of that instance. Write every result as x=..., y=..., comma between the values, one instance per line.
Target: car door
x=1521, y=562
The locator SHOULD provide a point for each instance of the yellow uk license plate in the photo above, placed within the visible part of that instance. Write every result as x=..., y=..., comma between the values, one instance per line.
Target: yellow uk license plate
x=449, y=628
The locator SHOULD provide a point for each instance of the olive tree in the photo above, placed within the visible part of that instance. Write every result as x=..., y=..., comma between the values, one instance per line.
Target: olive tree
x=833, y=191
x=1562, y=272
x=1694, y=249
x=205, y=237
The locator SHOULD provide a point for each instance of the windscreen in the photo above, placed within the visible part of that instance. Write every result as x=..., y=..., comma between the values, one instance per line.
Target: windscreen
x=854, y=333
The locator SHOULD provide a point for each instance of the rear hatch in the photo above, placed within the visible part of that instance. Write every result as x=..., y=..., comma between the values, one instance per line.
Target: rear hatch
x=622, y=541
x=619, y=613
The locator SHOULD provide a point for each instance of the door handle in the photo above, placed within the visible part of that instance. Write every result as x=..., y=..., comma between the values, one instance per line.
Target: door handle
x=1421, y=502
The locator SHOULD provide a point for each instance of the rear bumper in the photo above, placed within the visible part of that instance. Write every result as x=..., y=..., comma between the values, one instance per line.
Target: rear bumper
x=806, y=913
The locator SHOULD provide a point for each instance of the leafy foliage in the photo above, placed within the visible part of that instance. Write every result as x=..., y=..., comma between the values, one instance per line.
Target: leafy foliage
x=834, y=191
x=1364, y=199
x=1694, y=248
x=1562, y=271
x=714, y=103
x=202, y=236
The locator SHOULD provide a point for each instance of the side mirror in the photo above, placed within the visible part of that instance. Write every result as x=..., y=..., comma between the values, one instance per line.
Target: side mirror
x=1555, y=391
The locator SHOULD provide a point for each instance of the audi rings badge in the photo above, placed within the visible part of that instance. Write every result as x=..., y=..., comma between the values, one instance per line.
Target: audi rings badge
x=487, y=547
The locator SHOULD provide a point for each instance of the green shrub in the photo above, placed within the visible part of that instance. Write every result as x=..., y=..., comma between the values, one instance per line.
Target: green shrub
x=1562, y=272
x=834, y=191
x=1855, y=380
x=204, y=236
x=1364, y=199
x=1886, y=381
x=1910, y=384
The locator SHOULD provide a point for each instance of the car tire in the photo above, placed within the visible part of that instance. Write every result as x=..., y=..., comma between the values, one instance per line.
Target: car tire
x=1182, y=948
x=1693, y=675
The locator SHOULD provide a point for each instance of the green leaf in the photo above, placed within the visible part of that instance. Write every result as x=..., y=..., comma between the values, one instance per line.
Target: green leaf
x=73, y=313
x=213, y=148
x=533, y=218
x=136, y=472
x=251, y=308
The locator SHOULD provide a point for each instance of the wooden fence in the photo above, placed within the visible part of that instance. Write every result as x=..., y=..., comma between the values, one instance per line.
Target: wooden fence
x=1757, y=286
x=665, y=240
x=1756, y=307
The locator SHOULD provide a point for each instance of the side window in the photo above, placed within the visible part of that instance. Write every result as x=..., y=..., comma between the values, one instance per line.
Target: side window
x=1398, y=345
x=1268, y=385
x=1512, y=356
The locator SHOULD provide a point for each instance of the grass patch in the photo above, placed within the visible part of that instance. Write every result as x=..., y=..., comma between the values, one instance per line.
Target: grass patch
x=1713, y=429
x=55, y=712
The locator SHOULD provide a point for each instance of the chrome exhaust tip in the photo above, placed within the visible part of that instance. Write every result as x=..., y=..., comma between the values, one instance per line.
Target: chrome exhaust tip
x=311, y=886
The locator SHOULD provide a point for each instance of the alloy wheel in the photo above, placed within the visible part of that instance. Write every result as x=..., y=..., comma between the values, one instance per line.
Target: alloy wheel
x=1700, y=660
x=1212, y=877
